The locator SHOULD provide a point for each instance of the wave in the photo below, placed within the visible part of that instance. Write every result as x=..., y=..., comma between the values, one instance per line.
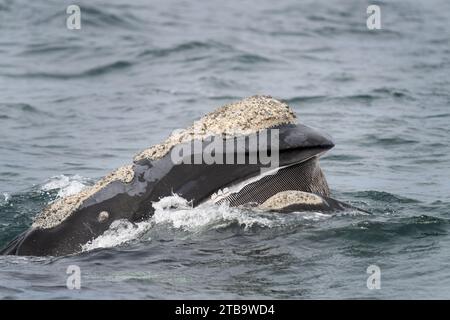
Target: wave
x=365, y=97
x=94, y=71
x=46, y=49
x=65, y=185
x=393, y=92
x=438, y=115
x=383, y=196
x=217, y=52
x=111, y=16
x=372, y=139
x=23, y=107
x=243, y=60
x=120, y=17
x=370, y=231
x=183, y=47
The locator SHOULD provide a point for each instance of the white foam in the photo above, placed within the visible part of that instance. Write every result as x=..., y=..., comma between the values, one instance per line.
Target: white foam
x=177, y=213
x=315, y=216
x=66, y=185
x=120, y=232
x=6, y=196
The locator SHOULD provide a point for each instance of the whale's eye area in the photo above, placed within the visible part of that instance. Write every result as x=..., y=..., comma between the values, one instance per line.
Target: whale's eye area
x=103, y=216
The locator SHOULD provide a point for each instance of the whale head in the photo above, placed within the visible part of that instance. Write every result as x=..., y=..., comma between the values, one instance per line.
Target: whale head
x=173, y=166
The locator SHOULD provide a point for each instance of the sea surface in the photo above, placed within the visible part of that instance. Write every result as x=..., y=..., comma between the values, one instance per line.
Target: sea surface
x=76, y=104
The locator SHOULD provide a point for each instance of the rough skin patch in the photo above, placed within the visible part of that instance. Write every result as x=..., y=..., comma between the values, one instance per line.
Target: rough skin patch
x=240, y=118
x=290, y=197
x=59, y=210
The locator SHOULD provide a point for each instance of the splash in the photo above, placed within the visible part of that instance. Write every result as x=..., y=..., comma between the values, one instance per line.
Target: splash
x=120, y=232
x=6, y=197
x=176, y=213
x=66, y=185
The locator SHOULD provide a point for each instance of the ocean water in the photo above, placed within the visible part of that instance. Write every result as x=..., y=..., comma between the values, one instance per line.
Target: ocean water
x=75, y=104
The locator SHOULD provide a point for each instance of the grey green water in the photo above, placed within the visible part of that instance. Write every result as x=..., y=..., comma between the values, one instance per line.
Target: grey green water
x=75, y=104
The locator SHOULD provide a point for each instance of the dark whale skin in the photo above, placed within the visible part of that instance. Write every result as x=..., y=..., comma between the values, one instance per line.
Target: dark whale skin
x=154, y=179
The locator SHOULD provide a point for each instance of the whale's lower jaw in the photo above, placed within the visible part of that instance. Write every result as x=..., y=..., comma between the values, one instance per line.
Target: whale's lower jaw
x=306, y=176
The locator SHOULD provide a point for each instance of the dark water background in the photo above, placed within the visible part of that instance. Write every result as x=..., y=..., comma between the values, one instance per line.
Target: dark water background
x=76, y=104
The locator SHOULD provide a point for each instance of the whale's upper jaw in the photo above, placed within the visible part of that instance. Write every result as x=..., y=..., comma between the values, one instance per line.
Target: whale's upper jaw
x=299, y=136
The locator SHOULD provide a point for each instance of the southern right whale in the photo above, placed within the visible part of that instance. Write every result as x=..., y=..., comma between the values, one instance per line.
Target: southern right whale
x=296, y=183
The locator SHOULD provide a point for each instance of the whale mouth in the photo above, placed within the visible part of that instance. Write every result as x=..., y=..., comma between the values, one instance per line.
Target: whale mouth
x=306, y=176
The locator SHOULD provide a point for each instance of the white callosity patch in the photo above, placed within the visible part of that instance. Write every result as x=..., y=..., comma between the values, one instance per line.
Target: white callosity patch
x=240, y=118
x=290, y=197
